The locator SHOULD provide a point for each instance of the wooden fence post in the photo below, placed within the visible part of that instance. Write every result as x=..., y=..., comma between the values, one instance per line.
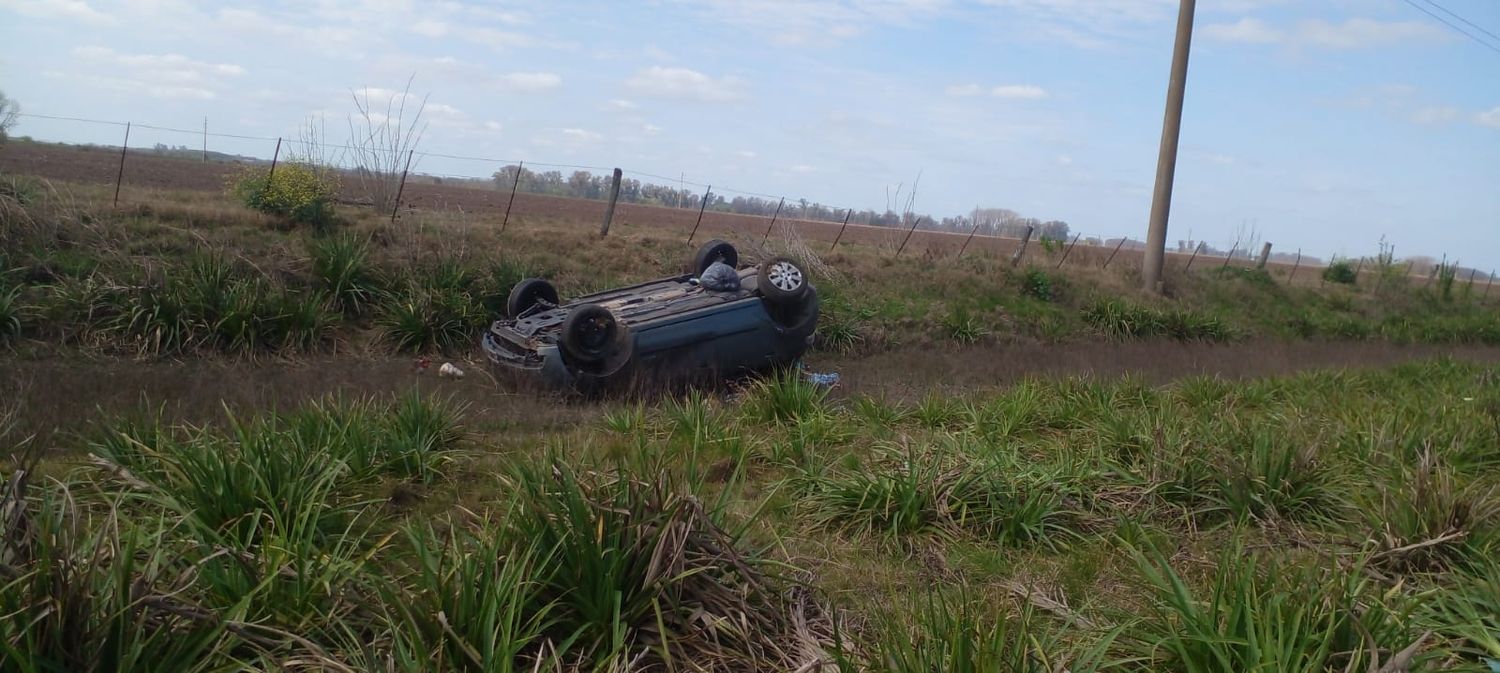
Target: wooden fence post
x=609, y=210
x=1119, y=245
x=1193, y=257
x=274, y=157
x=1068, y=250
x=1015, y=259
x=972, y=231
x=701, y=208
x=848, y=212
x=1230, y=256
x=401, y=188
x=1491, y=282
x=120, y=176
x=909, y=232
x=1265, y=256
x=1295, y=264
x=767, y=236
x=520, y=168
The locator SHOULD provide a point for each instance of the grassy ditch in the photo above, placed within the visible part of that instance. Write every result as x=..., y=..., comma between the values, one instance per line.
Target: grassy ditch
x=1320, y=522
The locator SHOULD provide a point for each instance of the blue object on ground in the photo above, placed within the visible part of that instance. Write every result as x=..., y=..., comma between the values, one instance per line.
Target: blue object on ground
x=830, y=379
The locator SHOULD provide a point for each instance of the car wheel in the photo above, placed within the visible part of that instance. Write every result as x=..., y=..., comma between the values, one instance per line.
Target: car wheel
x=715, y=251
x=781, y=281
x=529, y=293
x=798, y=318
x=591, y=335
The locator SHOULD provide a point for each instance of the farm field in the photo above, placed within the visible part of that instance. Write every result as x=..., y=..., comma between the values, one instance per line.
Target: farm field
x=222, y=458
x=146, y=172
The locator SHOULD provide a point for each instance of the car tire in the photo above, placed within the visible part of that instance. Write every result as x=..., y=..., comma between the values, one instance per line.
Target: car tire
x=527, y=294
x=715, y=251
x=797, y=319
x=781, y=281
x=592, y=336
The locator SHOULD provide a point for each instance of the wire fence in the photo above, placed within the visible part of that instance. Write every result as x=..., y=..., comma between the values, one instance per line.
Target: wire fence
x=159, y=156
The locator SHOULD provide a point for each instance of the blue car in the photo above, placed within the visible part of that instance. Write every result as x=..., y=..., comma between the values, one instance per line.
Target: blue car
x=679, y=328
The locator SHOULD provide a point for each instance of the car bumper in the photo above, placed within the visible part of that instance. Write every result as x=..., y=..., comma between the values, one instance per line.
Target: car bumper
x=545, y=363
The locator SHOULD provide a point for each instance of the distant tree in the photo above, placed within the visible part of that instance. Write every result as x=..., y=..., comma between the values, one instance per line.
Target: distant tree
x=1055, y=230
x=10, y=112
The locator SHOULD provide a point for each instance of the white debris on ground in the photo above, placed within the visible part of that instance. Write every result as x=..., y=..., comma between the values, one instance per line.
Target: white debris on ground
x=450, y=371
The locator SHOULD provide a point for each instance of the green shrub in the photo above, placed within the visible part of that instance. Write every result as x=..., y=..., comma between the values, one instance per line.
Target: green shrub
x=1037, y=284
x=300, y=193
x=1340, y=272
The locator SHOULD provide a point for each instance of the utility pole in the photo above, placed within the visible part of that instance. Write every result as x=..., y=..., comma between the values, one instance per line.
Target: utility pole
x=1166, y=160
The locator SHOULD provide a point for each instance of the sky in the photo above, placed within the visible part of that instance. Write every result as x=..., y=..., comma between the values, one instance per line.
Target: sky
x=1324, y=125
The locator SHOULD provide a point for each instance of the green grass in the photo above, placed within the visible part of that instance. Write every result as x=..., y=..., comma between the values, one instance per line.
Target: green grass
x=342, y=266
x=1308, y=523
x=1264, y=617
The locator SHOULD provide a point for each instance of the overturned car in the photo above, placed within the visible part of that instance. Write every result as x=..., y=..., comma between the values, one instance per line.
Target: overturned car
x=719, y=321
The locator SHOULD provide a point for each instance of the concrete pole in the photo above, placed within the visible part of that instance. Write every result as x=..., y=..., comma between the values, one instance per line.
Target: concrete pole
x=1265, y=255
x=1166, y=160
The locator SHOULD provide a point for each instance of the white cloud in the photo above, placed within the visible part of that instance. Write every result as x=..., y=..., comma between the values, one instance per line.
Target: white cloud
x=802, y=169
x=1246, y=30
x=685, y=84
x=1490, y=117
x=1221, y=159
x=68, y=9
x=528, y=81
x=797, y=22
x=1064, y=160
x=650, y=129
x=1019, y=91
x=964, y=90
x=621, y=104
x=1085, y=23
x=493, y=126
x=1358, y=32
x=1435, y=114
x=746, y=154
x=1355, y=33
x=430, y=28
x=161, y=75
x=581, y=135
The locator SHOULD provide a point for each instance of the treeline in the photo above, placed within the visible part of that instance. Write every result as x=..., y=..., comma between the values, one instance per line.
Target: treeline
x=586, y=185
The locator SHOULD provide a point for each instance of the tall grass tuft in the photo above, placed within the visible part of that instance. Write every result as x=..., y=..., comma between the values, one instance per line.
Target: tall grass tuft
x=417, y=317
x=342, y=266
x=1269, y=477
x=1426, y=518
x=97, y=591
x=1263, y=615
x=637, y=572
x=470, y=601
x=784, y=397
x=964, y=635
x=10, y=312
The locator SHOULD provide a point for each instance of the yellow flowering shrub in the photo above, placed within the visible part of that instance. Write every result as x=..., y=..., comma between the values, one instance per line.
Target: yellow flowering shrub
x=300, y=193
